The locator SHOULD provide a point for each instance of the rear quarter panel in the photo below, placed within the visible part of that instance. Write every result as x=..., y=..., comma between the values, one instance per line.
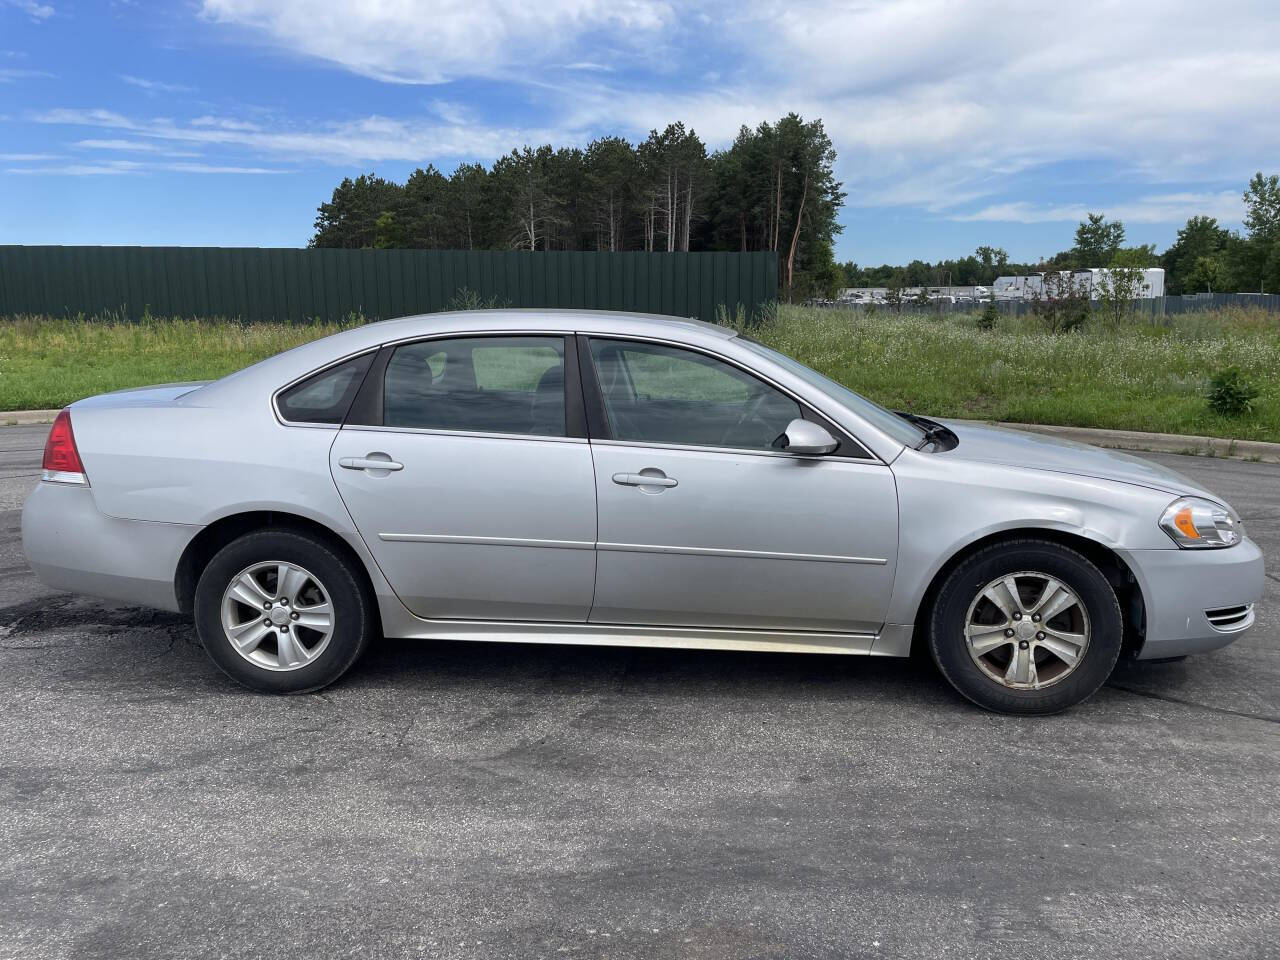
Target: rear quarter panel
x=192, y=464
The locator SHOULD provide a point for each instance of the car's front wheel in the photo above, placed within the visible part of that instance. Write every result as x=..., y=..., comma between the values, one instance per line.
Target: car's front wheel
x=281, y=612
x=1026, y=626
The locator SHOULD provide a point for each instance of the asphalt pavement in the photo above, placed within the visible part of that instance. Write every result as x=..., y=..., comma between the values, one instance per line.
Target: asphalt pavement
x=473, y=800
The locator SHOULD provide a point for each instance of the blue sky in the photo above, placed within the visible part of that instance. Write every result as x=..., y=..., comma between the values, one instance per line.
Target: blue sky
x=225, y=122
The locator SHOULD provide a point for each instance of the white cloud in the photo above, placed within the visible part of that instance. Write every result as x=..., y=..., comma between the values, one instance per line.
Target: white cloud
x=418, y=42
x=1154, y=208
x=217, y=168
x=224, y=123
x=154, y=86
x=369, y=139
x=114, y=167
x=36, y=11
x=118, y=167
x=133, y=146
x=10, y=74
x=931, y=104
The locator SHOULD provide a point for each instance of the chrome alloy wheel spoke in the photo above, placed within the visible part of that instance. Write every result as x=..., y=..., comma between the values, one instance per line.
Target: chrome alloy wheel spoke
x=247, y=636
x=1066, y=646
x=249, y=591
x=983, y=640
x=1022, y=667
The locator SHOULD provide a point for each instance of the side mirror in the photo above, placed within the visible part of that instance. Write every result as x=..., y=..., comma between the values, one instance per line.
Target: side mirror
x=807, y=437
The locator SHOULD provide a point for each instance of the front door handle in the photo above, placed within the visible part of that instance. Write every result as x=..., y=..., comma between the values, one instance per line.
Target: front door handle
x=371, y=462
x=655, y=479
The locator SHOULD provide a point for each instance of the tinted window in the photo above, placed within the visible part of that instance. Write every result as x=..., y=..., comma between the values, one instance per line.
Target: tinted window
x=326, y=396
x=659, y=394
x=478, y=385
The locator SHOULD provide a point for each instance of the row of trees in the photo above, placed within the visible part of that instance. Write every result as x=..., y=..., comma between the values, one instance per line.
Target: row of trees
x=981, y=267
x=773, y=189
x=1206, y=257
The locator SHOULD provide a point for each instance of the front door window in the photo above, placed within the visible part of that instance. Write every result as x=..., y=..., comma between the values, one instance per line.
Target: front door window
x=659, y=394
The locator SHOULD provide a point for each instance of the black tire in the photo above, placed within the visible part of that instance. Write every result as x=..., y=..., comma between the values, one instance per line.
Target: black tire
x=946, y=628
x=354, y=619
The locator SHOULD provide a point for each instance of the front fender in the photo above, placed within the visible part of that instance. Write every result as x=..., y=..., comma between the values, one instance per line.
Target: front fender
x=946, y=508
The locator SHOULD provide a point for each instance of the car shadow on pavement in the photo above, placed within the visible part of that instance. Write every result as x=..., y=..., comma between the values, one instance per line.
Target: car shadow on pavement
x=158, y=648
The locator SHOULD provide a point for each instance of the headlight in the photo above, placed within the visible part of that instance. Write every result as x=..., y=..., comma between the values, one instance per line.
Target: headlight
x=1200, y=524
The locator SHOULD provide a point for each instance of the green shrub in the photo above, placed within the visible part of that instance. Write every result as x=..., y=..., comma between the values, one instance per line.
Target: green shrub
x=734, y=319
x=1075, y=318
x=1230, y=394
x=468, y=299
x=989, y=317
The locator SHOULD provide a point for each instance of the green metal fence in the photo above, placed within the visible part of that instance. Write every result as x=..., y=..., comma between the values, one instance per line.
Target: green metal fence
x=298, y=286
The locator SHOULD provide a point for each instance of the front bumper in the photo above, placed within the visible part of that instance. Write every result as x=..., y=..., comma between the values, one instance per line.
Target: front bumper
x=1181, y=588
x=71, y=545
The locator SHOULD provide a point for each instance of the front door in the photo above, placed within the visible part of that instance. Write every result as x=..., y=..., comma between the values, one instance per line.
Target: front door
x=485, y=508
x=703, y=521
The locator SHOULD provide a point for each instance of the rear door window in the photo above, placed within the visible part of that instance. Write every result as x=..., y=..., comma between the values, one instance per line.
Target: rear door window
x=510, y=385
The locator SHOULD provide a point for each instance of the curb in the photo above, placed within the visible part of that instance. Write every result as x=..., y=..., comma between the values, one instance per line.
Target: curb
x=22, y=418
x=1225, y=448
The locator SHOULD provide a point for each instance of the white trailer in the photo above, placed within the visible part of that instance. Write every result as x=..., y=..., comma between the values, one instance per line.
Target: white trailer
x=1096, y=278
x=1089, y=282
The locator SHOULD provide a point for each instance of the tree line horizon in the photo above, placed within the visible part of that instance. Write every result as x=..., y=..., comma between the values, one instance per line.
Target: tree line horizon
x=773, y=189
x=1206, y=257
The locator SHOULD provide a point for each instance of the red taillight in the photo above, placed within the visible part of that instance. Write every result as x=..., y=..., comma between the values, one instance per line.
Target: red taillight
x=60, y=453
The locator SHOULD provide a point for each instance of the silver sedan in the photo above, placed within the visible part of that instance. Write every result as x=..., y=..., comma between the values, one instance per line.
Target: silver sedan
x=599, y=478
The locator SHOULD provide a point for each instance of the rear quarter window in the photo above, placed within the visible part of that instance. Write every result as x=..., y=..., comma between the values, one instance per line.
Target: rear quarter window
x=325, y=397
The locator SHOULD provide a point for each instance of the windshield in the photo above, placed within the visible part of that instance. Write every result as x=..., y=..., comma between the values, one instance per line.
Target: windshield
x=904, y=431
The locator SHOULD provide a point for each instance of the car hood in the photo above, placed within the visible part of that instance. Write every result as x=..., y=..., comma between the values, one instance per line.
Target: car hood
x=990, y=444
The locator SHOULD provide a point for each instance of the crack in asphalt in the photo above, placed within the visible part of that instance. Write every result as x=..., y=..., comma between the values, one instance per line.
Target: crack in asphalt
x=34, y=617
x=1244, y=714
x=51, y=612
x=21, y=618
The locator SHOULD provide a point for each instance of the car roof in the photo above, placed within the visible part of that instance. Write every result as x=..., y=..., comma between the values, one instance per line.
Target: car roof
x=550, y=318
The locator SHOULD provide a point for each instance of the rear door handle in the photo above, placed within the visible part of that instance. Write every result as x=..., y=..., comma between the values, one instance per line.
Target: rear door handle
x=644, y=480
x=369, y=463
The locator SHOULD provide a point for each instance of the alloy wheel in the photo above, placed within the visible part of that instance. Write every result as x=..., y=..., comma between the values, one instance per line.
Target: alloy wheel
x=1027, y=630
x=277, y=615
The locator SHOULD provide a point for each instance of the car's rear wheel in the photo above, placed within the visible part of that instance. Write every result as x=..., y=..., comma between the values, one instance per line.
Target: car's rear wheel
x=281, y=612
x=1027, y=626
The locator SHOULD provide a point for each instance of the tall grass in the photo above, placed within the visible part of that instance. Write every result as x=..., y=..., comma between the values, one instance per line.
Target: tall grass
x=46, y=363
x=1133, y=375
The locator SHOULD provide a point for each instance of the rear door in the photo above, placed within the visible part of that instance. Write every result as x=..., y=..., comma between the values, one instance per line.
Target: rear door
x=465, y=466
x=705, y=522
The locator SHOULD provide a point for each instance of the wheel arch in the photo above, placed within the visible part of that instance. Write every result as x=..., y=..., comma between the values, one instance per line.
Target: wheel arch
x=1114, y=568
x=204, y=545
